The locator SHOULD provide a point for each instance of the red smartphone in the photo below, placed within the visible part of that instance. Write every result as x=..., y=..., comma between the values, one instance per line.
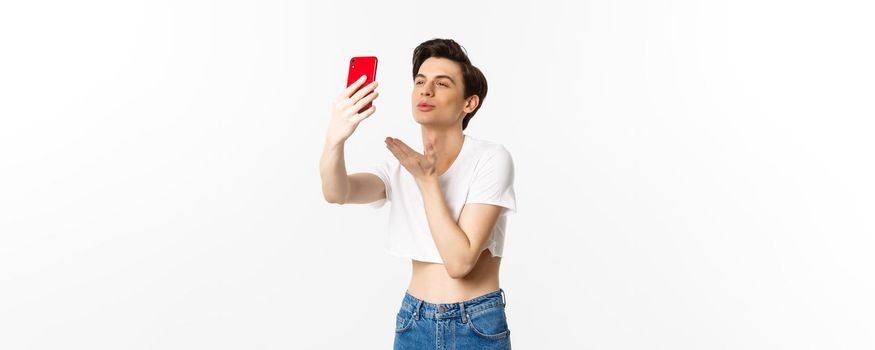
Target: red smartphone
x=358, y=66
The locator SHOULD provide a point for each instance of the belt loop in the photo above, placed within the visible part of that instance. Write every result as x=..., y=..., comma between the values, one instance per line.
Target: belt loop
x=462, y=311
x=416, y=311
x=503, y=299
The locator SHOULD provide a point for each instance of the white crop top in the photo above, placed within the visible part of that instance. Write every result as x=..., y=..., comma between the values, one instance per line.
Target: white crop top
x=481, y=173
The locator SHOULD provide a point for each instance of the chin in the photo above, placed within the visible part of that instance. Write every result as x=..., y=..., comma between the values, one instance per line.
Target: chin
x=420, y=119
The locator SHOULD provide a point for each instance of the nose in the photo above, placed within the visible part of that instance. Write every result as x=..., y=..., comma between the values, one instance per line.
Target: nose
x=426, y=91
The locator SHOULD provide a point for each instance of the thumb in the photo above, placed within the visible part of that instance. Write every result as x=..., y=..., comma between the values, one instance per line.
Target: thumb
x=429, y=152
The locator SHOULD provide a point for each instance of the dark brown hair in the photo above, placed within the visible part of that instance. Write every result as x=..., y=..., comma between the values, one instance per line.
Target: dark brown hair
x=474, y=80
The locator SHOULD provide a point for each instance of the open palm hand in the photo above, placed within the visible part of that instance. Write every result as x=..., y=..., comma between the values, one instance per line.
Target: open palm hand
x=421, y=166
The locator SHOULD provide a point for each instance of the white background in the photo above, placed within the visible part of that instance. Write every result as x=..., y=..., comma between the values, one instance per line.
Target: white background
x=690, y=175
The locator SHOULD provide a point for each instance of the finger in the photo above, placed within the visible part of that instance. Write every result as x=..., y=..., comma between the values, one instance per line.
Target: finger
x=364, y=91
x=404, y=147
x=361, y=103
x=361, y=116
x=397, y=144
x=392, y=148
x=350, y=89
x=392, y=143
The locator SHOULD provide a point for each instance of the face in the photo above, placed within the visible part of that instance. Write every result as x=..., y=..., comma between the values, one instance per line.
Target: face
x=438, y=94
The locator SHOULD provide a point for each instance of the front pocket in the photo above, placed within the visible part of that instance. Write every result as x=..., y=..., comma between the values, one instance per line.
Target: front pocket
x=490, y=323
x=403, y=321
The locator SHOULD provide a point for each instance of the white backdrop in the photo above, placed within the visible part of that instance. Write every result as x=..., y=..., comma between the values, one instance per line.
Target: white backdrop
x=690, y=175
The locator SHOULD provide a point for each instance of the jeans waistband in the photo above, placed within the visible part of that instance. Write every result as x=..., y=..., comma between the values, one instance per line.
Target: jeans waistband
x=421, y=308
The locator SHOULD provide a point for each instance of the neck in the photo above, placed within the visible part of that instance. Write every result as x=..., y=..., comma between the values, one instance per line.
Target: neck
x=447, y=144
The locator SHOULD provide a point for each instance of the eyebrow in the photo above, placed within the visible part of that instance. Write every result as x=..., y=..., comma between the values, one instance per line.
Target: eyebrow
x=437, y=76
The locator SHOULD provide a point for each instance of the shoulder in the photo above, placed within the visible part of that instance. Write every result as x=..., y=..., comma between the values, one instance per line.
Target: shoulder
x=488, y=149
x=490, y=153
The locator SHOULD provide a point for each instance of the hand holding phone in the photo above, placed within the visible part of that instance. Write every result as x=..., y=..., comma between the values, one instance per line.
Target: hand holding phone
x=354, y=104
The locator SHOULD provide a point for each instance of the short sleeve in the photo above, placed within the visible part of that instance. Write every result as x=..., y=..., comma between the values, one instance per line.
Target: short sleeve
x=381, y=169
x=493, y=182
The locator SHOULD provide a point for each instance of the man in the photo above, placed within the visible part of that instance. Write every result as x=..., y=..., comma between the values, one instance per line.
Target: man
x=449, y=203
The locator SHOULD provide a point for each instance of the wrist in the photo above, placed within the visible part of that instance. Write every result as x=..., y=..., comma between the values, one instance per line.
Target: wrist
x=424, y=181
x=332, y=144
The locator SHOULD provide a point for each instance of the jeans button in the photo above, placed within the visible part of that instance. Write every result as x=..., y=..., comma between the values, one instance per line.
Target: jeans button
x=441, y=309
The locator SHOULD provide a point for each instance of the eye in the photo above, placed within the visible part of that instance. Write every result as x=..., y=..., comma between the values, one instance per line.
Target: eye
x=418, y=82
x=443, y=84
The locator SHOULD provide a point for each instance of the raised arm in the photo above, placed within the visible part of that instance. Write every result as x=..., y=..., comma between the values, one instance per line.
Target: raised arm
x=337, y=186
x=340, y=188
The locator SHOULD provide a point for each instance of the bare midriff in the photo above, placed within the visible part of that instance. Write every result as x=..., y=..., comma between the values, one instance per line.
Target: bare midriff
x=431, y=282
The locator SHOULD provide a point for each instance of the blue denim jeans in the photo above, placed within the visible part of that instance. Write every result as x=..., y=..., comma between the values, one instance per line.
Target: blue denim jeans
x=478, y=323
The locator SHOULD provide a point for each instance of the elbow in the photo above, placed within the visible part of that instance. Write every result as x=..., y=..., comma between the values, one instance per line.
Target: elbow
x=332, y=196
x=335, y=194
x=333, y=199
x=458, y=270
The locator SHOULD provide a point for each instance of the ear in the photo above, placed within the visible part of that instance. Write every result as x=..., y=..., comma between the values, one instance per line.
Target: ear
x=471, y=104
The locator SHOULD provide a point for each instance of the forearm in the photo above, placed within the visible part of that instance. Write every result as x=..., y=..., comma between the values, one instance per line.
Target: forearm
x=332, y=169
x=452, y=242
